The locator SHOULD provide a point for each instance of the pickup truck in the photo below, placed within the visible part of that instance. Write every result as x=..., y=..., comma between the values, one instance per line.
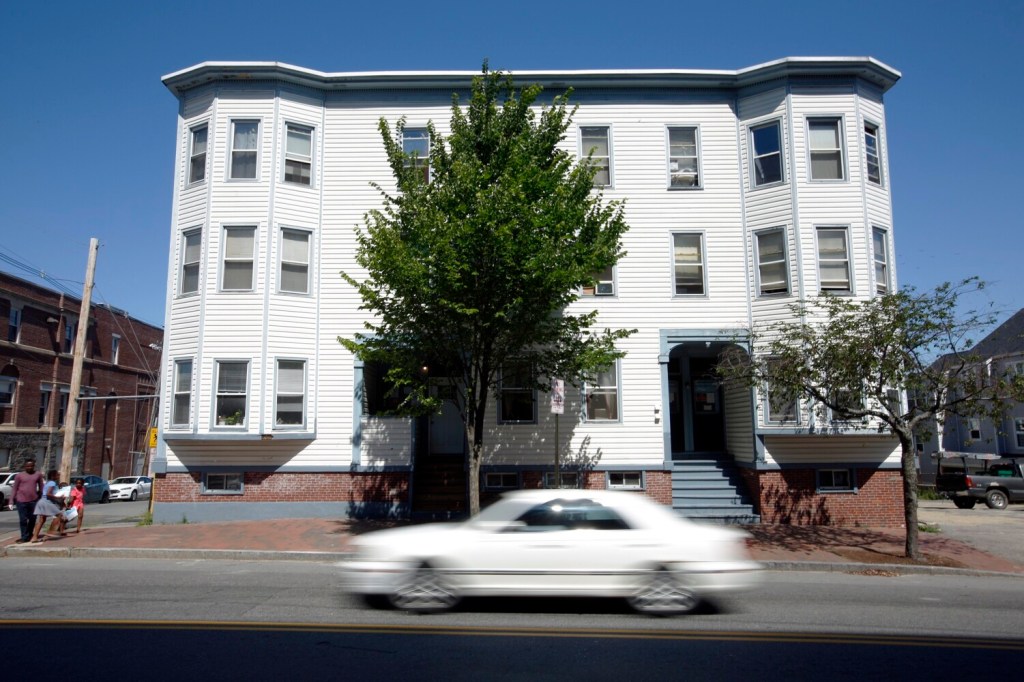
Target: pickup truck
x=968, y=478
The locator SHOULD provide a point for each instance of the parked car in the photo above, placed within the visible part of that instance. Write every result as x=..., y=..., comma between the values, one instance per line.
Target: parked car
x=130, y=487
x=968, y=478
x=6, y=481
x=555, y=542
x=96, y=489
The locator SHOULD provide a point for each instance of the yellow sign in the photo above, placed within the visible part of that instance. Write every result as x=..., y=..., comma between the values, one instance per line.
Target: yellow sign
x=152, y=437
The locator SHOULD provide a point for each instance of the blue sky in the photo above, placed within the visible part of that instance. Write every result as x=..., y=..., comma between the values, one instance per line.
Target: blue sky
x=90, y=127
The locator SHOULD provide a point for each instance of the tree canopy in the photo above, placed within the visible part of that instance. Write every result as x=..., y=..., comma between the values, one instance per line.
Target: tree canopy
x=852, y=360
x=472, y=264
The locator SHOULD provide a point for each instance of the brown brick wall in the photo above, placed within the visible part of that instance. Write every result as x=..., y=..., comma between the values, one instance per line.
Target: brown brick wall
x=789, y=496
x=290, y=487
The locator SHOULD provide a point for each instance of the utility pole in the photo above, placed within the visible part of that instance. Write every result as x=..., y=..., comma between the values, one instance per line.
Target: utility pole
x=71, y=418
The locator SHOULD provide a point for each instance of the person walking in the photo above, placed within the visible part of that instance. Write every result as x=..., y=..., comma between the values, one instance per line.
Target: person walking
x=25, y=492
x=48, y=505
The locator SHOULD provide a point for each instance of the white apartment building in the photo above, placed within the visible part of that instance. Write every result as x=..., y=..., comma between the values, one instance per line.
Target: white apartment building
x=745, y=192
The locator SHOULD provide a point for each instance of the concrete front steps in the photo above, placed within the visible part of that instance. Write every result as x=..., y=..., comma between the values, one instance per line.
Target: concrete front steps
x=710, y=488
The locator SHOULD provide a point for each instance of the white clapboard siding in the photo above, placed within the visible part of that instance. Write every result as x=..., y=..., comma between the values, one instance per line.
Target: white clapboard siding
x=873, y=450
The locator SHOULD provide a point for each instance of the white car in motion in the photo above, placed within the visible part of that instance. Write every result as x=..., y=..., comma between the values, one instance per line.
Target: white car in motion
x=130, y=487
x=583, y=543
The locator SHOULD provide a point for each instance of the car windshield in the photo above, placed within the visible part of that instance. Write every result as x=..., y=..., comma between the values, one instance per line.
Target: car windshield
x=125, y=479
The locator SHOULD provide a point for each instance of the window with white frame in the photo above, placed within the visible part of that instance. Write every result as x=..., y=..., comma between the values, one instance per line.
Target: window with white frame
x=87, y=407
x=846, y=399
x=766, y=147
x=628, y=480
x=835, y=480
x=45, y=390
x=290, y=402
x=294, y=275
x=595, y=143
x=683, y=160
x=604, y=283
x=880, y=247
x=825, y=140
x=298, y=154
x=245, y=138
x=1018, y=425
x=115, y=348
x=566, y=479
x=872, y=157
x=974, y=427
x=239, y=246
x=772, y=265
x=191, y=250
x=14, y=324
x=501, y=480
x=197, y=154
x=232, y=393
x=781, y=407
x=416, y=147
x=70, y=332
x=181, y=411
x=517, y=395
x=223, y=484
x=688, y=261
x=602, y=395
x=833, y=260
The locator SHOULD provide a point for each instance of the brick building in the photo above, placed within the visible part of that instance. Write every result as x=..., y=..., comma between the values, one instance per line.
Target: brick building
x=122, y=358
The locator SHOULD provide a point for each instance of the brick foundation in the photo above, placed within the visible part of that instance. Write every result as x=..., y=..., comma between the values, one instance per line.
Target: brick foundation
x=789, y=496
x=391, y=487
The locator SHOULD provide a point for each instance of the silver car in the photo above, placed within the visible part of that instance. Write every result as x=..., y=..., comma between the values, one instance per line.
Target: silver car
x=556, y=542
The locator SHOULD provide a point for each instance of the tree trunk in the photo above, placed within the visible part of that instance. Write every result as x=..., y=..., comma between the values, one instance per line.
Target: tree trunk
x=474, y=474
x=909, y=494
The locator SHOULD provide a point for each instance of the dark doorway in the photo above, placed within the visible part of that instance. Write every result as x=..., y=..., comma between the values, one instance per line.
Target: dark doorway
x=695, y=410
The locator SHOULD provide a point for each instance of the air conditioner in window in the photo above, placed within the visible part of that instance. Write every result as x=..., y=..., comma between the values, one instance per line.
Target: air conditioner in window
x=605, y=289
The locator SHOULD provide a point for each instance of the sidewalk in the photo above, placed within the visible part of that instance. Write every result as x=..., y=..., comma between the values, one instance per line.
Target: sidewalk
x=825, y=548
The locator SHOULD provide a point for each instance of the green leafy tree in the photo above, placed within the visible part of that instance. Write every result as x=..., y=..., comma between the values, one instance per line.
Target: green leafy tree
x=853, y=359
x=471, y=264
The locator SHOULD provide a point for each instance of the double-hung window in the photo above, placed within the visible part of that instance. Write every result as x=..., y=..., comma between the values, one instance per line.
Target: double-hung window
x=8, y=384
x=602, y=395
x=294, y=276
x=604, y=283
x=245, y=137
x=87, y=407
x=683, y=160
x=298, y=154
x=833, y=260
x=14, y=324
x=191, y=249
x=232, y=393
x=766, y=145
x=181, y=411
x=239, y=245
x=880, y=245
x=62, y=404
x=70, y=332
x=688, y=263
x=872, y=157
x=595, y=143
x=197, y=154
x=289, y=404
x=115, y=348
x=780, y=407
x=45, y=391
x=825, y=140
x=772, y=266
x=416, y=147
x=518, y=396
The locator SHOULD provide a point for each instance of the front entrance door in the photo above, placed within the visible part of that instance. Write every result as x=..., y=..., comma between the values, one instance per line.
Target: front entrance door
x=446, y=435
x=695, y=410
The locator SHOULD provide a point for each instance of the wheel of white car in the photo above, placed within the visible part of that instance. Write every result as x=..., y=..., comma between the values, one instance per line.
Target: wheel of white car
x=660, y=593
x=135, y=495
x=424, y=590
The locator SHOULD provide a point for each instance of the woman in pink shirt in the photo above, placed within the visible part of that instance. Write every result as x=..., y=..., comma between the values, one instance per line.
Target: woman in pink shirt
x=77, y=501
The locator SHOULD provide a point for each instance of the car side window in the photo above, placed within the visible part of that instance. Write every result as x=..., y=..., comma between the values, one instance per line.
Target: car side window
x=571, y=515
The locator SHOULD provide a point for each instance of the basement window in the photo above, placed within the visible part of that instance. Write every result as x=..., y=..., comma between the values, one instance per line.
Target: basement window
x=835, y=480
x=223, y=484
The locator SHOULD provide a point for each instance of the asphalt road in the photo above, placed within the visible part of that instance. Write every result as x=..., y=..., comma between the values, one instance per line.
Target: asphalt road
x=231, y=620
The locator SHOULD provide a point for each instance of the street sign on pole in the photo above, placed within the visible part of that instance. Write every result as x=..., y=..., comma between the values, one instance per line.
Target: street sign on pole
x=557, y=396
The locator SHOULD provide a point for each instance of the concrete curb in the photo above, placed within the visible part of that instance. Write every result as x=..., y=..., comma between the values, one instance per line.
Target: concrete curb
x=332, y=557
